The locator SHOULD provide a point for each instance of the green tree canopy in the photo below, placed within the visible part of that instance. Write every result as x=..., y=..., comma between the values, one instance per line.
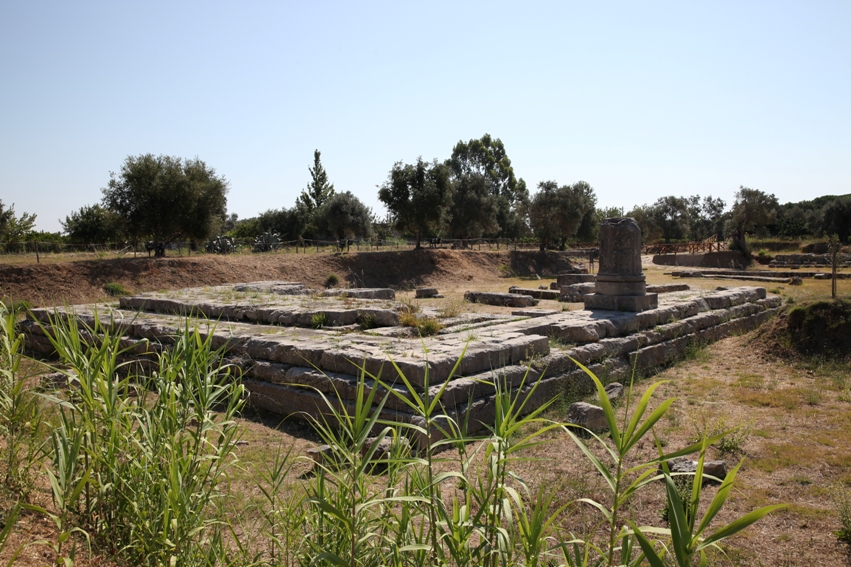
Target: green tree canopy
x=93, y=224
x=290, y=224
x=417, y=197
x=753, y=209
x=670, y=215
x=474, y=209
x=641, y=215
x=346, y=216
x=557, y=213
x=12, y=227
x=481, y=167
x=167, y=198
x=837, y=219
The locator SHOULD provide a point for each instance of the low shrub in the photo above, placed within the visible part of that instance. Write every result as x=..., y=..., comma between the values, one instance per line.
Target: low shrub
x=429, y=326
x=332, y=280
x=821, y=328
x=425, y=326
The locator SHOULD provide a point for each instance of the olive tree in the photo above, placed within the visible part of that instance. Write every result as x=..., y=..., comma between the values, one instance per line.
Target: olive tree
x=752, y=209
x=90, y=225
x=417, y=197
x=670, y=215
x=14, y=228
x=346, y=216
x=166, y=198
x=557, y=213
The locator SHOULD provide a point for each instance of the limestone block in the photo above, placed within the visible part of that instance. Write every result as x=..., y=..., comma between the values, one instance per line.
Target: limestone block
x=504, y=299
x=424, y=292
x=588, y=416
x=614, y=391
x=577, y=332
x=362, y=293
x=621, y=302
x=667, y=288
x=536, y=293
x=570, y=279
x=534, y=312
x=718, y=469
x=575, y=292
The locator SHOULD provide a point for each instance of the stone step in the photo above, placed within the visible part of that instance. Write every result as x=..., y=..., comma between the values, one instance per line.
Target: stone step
x=536, y=293
x=419, y=360
x=330, y=313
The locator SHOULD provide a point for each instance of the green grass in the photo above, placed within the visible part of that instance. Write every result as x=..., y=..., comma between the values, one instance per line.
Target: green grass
x=114, y=289
x=318, y=320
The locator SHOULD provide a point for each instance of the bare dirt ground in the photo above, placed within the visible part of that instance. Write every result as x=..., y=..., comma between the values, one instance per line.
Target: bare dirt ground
x=81, y=282
x=793, y=415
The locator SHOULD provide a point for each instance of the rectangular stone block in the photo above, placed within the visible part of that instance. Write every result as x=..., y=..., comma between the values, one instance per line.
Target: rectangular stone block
x=632, y=303
x=536, y=293
x=570, y=279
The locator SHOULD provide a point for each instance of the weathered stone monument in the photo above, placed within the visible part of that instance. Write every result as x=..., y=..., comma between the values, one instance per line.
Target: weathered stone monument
x=620, y=284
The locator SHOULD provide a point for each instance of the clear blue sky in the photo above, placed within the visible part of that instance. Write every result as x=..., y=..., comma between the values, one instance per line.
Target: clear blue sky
x=640, y=99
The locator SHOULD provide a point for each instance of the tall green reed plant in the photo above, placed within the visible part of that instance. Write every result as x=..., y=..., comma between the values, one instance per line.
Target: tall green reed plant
x=469, y=509
x=352, y=520
x=139, y=465
x=22, y=417
x=624, y=479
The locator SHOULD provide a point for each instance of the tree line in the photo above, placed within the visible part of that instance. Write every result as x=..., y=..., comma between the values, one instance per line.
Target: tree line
x=474, y=193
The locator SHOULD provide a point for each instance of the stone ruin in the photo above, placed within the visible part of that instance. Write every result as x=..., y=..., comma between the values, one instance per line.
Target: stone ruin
x=620, y=283
x=293, y=343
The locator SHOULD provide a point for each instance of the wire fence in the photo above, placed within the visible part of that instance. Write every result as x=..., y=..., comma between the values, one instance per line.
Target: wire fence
x=686, y=248
x=244, y=246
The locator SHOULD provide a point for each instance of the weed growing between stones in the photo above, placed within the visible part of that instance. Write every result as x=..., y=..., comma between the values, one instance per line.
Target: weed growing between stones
x=366, y=321
x=428, y=326
x=318, y=320
x=408, y=306
x=425, y=326
x=558, y=343
x=114, y=289
x=452, y=309
x=697, y=351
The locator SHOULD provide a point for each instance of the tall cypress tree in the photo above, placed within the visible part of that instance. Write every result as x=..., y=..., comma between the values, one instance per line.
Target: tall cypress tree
x=319, y=190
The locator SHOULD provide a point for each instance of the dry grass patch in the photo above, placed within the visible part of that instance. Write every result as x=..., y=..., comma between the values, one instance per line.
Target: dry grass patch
x=786, y=398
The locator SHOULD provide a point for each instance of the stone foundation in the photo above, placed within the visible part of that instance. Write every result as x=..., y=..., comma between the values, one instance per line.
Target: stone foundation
x=287, y=368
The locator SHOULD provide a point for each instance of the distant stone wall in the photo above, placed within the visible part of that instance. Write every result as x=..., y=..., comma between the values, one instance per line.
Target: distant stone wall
x=726, y=259
x=821, y=260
